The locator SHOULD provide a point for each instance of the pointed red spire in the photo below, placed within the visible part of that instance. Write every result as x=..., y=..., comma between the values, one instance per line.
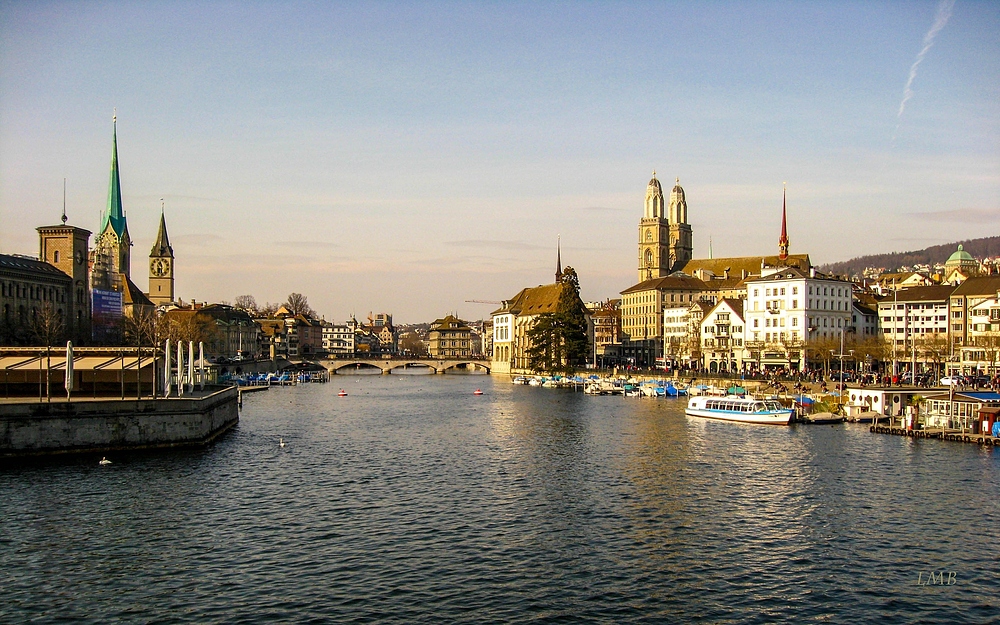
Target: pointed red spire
x=783, y=240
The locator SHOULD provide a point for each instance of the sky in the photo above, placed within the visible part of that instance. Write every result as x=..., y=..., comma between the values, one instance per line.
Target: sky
x=406, y=157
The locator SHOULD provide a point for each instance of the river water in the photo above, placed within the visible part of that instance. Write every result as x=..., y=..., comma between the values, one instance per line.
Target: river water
x=412, y=500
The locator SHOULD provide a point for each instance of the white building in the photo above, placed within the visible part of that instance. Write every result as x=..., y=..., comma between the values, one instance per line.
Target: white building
x=788, y=308
x=722, y=337
x=338, y=340
x=981, y=352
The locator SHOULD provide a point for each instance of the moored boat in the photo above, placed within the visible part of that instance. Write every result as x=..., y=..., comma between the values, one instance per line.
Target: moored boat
x=742, y=409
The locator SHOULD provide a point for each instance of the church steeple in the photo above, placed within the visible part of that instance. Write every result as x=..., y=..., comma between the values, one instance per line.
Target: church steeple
x=161, y=247
x=161, y=266
x=114, y=214
x=783, y=239
x=558, y=259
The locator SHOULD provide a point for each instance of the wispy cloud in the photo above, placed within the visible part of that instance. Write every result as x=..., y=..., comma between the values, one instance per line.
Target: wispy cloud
x=502, y=245
x=305, y=244
x=196, y=239
x=962, y=215
x=943, y=13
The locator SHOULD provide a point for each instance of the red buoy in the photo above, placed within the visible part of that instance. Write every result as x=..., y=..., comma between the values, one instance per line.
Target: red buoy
x=478, y=392
x=342, y=393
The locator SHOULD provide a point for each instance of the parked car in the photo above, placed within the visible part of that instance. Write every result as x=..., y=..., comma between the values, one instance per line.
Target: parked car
x=950, y=380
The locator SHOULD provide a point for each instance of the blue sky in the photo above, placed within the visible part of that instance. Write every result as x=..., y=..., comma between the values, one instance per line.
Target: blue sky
x=406, y=157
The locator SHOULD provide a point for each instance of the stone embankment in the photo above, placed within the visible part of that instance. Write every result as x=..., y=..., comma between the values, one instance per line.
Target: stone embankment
x=93, y=425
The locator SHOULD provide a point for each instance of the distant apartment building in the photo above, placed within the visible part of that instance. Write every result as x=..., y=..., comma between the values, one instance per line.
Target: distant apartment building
x=338, y=340
x=449, y=337
x=722, y=337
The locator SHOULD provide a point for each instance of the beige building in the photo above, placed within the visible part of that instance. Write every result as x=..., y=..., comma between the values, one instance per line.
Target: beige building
x=642, y=308
x=513, y=320
x=449, y=337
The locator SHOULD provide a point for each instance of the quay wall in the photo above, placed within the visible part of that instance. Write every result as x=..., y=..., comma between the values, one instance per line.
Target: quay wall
x=31, y=428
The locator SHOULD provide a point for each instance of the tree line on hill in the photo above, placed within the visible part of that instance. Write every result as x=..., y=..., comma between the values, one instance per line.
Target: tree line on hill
x=936, y=254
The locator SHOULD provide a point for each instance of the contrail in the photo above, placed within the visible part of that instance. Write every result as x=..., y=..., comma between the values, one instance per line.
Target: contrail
x=943, y=13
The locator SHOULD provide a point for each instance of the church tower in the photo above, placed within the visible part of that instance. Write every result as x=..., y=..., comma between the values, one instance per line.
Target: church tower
x=161, y=267
x=67, y=248
x=111, y=257
x=681, y=246
x=653, y=233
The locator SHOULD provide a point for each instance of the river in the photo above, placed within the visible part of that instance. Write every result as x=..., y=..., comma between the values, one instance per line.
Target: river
x=413, y=500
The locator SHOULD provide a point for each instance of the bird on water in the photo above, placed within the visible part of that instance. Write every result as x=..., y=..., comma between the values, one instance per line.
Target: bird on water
x=104, y=461
x=281, y=442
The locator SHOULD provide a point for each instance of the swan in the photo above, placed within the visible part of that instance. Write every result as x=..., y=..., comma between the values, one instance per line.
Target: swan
x=104, y=461
x=281, y=442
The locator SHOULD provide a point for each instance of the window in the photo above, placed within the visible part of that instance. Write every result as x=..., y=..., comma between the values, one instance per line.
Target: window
x=782, y=291
x=795, y=303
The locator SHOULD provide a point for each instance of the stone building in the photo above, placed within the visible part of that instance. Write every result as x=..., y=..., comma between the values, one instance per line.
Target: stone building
x=449, y=337
x=517, y=316
x=67, y=248
x=665, y=242
x=35, y=302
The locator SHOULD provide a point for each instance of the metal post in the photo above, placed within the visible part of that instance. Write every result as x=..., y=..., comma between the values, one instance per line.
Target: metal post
x=166, y=369
x=180, y=369
x=191, y=364
x=201, y=366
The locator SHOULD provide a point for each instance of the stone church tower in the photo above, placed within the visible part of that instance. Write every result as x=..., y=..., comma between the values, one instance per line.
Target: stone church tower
x=111, y=257
x=161, y=267
x=681, y=248
x=653, y=233
x=664, y=235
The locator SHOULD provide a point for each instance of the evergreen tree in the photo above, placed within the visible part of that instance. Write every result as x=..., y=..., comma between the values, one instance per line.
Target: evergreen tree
x=559, y=340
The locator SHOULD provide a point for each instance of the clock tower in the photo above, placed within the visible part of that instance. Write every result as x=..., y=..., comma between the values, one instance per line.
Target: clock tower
x=161, y=267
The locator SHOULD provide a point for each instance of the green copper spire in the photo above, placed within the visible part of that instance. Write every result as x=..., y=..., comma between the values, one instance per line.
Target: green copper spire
x=114, y=214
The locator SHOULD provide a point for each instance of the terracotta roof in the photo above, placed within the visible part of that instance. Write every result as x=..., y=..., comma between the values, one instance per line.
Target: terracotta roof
x=669, y=283
x=445, y=324
x=543, y=298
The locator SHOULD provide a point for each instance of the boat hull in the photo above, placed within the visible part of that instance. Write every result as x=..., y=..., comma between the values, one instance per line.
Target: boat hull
x=771, y=418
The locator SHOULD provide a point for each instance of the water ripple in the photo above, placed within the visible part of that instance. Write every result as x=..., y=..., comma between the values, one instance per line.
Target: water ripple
x=411, y=501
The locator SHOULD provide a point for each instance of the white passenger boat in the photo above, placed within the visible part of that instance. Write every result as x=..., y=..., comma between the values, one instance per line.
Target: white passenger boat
x=734, y=408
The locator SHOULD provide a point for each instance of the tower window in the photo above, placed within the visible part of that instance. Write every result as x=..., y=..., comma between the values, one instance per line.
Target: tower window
x=55, y=256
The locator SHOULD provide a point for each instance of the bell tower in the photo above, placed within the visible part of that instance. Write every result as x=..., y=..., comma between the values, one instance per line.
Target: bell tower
x=653, y=235
x=681, y=247
x=161, y=267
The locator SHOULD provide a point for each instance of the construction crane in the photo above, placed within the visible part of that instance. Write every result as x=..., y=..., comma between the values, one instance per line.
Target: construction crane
x=481, y=301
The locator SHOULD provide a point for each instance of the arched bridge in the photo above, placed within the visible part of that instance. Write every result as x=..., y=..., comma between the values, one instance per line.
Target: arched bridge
x=346, y=366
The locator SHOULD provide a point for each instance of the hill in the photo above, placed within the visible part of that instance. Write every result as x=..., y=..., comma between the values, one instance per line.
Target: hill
x=936, y=254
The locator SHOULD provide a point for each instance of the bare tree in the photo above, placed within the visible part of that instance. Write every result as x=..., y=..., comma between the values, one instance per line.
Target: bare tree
x=248, y=304
x=47, y=325
x=268, y=310
x=298, y=304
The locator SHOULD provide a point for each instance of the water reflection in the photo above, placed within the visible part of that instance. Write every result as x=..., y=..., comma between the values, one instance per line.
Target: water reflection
x=412, y=500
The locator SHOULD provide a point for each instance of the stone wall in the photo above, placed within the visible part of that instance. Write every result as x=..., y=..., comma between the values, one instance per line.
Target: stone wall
x=28, y=428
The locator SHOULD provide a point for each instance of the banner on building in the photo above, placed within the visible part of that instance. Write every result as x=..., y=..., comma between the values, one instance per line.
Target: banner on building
x=107, y=317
